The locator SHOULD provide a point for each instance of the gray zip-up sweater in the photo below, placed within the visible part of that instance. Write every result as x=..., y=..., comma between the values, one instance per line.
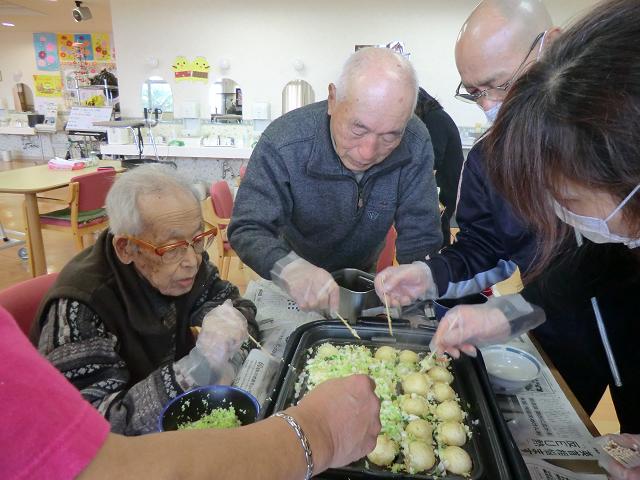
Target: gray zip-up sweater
x=297, y=195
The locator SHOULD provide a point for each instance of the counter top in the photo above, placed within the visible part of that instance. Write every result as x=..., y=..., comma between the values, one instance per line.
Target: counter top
x=17, y=131
x=175, y=151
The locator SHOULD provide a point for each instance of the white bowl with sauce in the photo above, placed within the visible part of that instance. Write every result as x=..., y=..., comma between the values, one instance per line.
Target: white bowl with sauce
x=510, y=369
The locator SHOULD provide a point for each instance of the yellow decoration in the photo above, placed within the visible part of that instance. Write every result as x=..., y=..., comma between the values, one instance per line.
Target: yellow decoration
x=47, y=85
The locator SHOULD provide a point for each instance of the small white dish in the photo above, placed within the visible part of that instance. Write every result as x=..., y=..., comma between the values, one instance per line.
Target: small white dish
x=510, y=369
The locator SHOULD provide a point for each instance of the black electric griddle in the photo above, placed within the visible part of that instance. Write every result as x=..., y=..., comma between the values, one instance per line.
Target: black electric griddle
x=492, y=449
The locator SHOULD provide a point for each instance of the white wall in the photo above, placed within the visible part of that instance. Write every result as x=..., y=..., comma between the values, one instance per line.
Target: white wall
x=261, y=39
x=16, y=55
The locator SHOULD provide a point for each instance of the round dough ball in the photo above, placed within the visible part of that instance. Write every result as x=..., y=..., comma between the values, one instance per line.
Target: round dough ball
x=408, y=356
x=449, y=411
x=326, y=350
x=416, y=383
x=386, y=354
x=415, y=406
x=452, y=433
x=442, y=392
x=456, y=460
x=420, y=429
x=440, y=374
x=418, y=457
x=404, y=369
x=385, y=451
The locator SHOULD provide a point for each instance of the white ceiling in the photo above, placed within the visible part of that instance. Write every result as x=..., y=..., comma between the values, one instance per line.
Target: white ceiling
x=54, y=16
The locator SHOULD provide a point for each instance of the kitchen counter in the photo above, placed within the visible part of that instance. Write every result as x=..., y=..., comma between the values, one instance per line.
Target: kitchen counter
x=175, y=151
x=17, y=131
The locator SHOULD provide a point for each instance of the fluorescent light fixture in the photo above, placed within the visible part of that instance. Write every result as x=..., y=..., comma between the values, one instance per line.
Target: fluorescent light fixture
x=8, y=24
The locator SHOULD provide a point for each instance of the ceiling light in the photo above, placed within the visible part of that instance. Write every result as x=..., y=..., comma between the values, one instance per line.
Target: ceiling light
x=8, y=24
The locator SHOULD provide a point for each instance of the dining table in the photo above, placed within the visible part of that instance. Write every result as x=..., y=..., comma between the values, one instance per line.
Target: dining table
x=29, y=181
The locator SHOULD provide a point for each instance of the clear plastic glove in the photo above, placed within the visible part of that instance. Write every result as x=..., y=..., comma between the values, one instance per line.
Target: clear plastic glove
x=616, y=470
x=342, y=417
x=313, y=288
x=224, y=330
x=405, y=284
x=466, y=327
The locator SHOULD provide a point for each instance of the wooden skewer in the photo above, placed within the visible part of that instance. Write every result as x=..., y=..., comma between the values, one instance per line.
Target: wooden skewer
x=386, y=306
x=346, y=324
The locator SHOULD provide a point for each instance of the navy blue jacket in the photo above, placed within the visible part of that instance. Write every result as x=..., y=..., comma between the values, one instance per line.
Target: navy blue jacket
x=297, y=195
x=491, y=243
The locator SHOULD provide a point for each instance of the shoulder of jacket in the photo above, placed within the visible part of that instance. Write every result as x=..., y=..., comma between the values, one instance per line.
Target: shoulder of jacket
x=296, y=126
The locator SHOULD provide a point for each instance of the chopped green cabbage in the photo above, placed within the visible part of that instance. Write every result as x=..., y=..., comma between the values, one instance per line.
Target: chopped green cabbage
x=218, y=418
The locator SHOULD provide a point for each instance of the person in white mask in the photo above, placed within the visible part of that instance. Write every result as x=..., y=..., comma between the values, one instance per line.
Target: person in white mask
x=566, y=145
x=499, y=43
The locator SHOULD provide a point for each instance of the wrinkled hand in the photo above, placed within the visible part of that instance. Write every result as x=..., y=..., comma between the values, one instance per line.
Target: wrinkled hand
x=313, y=288
x=616, y=470
x=405, y=284
x=344, y=415
x=224, y=330
x=465, y=326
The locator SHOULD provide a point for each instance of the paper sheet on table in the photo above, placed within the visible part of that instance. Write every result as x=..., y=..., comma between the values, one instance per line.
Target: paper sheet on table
x=542, y=420
x=277, y=317
x=541, y=470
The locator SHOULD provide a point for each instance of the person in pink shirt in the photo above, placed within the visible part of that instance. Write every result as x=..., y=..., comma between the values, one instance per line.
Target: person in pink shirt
x=50, y=432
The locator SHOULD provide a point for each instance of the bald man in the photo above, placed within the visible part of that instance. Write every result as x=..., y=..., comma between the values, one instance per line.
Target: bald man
x=326, y=182
x=497, y=43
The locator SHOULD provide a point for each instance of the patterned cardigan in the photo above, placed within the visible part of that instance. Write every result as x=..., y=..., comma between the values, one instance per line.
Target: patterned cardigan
x=79, y=344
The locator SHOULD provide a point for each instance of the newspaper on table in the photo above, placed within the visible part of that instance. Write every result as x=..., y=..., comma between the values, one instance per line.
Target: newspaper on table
x=277, y=316
x=541, y=470
x=544, y=424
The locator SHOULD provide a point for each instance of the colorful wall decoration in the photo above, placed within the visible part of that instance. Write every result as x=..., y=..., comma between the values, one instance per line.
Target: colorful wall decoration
x=47, y=85
x=87, y=46
x=65, y=47
x=46, y=50
x=102, y=47
x=191, y=71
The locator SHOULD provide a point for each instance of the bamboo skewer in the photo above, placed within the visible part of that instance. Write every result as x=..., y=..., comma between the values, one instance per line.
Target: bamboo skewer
x=346, y=324
x=386, y=306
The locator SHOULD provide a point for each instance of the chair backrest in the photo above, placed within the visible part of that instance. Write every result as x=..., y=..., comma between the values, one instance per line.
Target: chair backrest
x=93, y=188
x=385, y=259
x=23, y=299
x=221, y=199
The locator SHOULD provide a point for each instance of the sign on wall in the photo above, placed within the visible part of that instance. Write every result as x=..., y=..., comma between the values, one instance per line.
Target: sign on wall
x=45, y=46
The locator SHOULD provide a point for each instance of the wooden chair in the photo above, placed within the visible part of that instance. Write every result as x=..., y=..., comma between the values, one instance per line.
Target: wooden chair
x=84, y=213
x=23, y=299
x=217, y=210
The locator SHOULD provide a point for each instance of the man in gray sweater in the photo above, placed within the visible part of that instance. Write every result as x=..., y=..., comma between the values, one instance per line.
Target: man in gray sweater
x=327, y=181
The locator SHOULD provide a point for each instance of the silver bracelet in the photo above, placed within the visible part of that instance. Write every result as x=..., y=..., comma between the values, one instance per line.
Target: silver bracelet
x=308, y=455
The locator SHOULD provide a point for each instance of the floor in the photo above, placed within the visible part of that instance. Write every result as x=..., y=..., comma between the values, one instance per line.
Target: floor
x=59, y=250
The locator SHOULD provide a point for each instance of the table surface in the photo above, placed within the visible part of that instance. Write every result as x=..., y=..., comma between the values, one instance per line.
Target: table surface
x=41, y=178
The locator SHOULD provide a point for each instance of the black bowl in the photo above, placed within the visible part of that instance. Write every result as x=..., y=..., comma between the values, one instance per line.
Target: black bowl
x=194, y=404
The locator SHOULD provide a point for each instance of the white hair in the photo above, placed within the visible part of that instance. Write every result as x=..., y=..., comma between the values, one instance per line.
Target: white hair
x=122, y=200
x=369, y=59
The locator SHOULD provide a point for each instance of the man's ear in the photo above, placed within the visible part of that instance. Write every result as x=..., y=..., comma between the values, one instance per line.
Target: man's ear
x=552, y=35
x=123, y=249
x=331, y=98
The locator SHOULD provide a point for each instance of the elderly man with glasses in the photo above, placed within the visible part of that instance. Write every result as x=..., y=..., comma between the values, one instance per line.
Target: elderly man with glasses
x=496, y=45
x=117, y=321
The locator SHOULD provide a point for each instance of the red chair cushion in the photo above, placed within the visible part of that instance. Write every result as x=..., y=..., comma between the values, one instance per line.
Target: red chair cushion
x=23, y=299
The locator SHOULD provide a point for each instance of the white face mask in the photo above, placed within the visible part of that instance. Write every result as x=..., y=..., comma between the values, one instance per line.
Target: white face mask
x=596, y=229
x=492, y=113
